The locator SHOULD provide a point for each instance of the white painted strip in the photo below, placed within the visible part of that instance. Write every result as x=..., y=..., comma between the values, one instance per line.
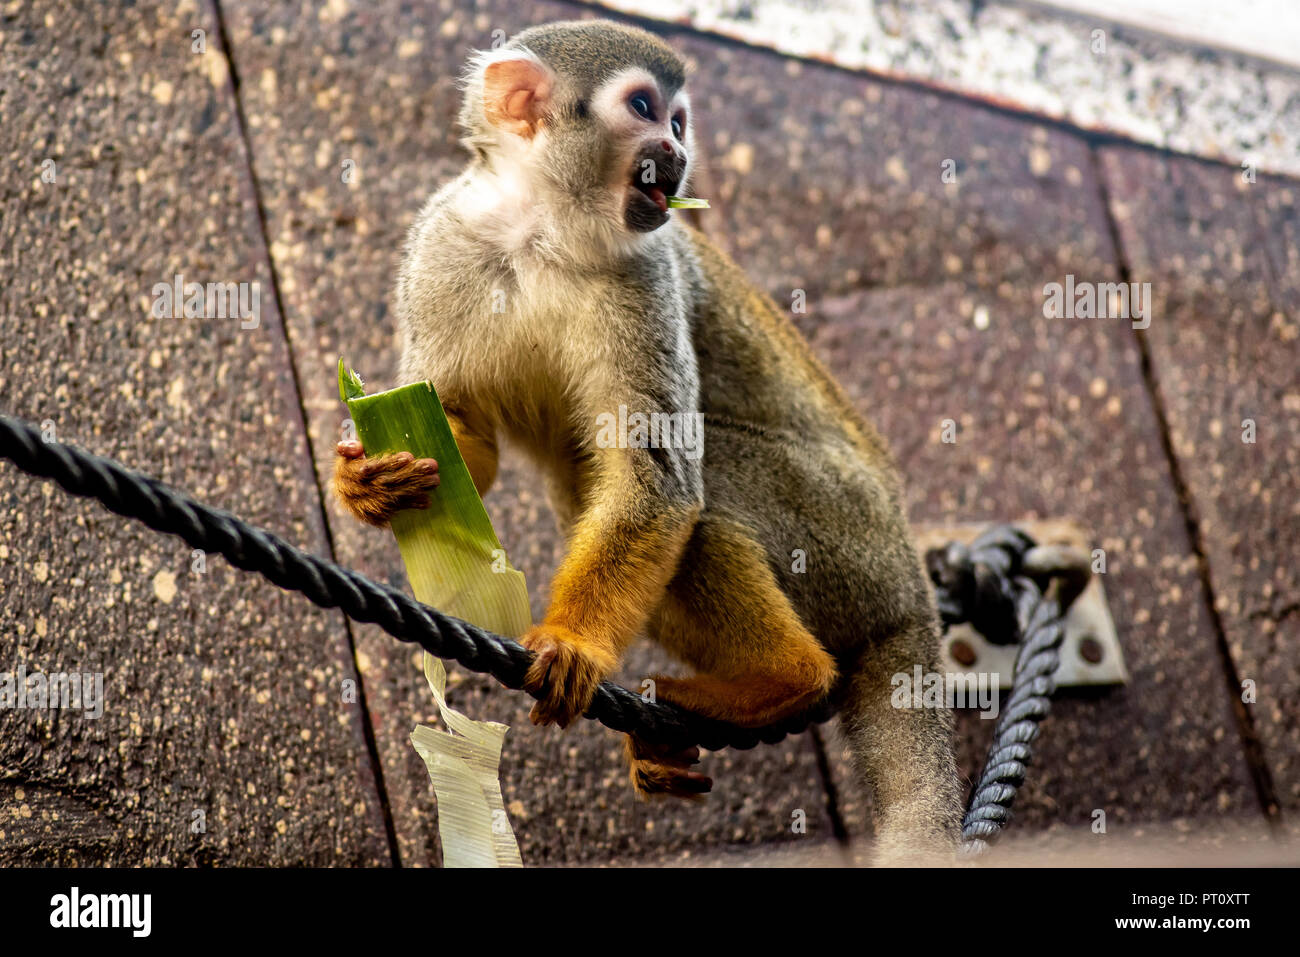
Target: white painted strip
x=1151, y=89
x=1263, y=28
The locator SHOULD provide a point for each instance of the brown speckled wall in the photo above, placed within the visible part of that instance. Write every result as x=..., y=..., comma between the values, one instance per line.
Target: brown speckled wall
x=227, y=700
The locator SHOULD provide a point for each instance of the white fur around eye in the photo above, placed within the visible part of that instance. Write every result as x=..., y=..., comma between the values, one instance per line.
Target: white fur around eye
x=609, y=102
x=681, y=101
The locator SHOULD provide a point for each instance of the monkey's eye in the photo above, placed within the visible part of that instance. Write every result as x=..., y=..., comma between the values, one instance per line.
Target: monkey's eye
x=679, y=125
x=640, y=104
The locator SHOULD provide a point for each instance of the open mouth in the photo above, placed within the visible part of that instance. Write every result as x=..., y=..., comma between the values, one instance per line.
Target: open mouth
x=657, y=192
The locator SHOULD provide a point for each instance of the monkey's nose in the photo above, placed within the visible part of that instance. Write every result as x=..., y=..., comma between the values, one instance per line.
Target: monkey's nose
x=673, y=156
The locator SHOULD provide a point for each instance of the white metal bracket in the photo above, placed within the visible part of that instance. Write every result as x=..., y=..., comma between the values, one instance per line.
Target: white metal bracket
x=1090, y=653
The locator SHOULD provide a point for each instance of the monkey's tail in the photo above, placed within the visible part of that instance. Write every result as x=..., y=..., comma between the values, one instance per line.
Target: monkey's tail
x=902, y=750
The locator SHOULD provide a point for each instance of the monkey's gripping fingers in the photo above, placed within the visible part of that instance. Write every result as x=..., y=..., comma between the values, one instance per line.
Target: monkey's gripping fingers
x=657, y=770
x=564, y=674
x=375, y=488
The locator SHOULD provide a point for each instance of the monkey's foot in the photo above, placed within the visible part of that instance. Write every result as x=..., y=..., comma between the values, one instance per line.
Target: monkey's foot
x=566, y=672
x=658, y=770
x=375, y=488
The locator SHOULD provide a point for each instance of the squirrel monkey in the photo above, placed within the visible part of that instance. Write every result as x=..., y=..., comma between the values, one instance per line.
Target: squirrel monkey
x=546, y=292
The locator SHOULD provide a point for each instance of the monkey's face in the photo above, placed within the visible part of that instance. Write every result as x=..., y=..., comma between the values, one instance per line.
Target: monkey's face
x=590, y=118
x=648, y=129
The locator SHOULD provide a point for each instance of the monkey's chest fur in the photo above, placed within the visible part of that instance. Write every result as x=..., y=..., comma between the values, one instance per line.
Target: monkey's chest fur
x=545, y=350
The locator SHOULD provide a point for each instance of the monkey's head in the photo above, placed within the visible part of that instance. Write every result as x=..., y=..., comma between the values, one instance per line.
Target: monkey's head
x=590, y=117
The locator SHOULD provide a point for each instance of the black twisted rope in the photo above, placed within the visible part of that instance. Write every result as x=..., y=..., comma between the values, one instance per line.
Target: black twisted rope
x=988, y=584
x=1004, y=585
x=213, y=530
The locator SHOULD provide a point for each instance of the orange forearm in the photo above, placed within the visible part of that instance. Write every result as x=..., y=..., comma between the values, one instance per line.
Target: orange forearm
x=618, y=564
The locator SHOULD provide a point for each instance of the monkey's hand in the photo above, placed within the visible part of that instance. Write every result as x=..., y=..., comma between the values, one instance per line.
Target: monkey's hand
x=374, y=489
x=566, y=671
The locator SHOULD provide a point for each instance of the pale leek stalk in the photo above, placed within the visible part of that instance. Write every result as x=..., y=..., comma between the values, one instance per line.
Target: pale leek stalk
x=456, y=564
x=451, y=552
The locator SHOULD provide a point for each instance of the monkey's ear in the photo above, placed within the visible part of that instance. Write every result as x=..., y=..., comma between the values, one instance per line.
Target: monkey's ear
x=516, y=94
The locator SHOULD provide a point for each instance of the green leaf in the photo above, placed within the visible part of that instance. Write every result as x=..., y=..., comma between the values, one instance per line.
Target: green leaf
x=350, y=384
x=452, y=555
x=687, y=202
